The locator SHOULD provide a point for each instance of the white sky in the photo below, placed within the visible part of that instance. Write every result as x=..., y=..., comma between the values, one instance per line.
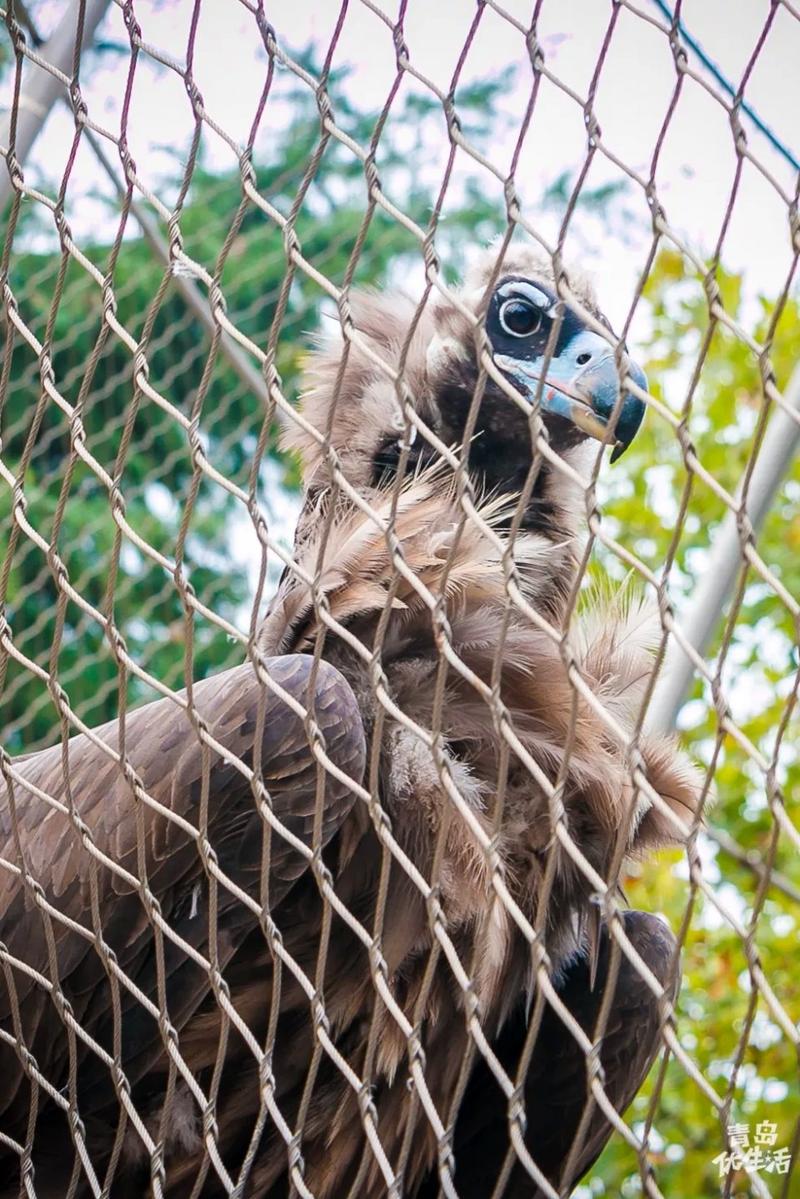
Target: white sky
x=697, y=165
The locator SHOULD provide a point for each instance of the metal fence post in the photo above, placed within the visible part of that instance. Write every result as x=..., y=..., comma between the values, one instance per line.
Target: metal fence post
x=725, y=559
x=45, y=87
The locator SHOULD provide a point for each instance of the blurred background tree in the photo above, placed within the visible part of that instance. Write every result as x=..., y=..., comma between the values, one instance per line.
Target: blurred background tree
x=63, y=306
x=717, y=998
x=222, y=554
x=220, y=558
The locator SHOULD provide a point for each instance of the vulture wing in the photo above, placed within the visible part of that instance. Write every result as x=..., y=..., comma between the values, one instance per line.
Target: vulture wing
x=555, y=1088
x=92, y=863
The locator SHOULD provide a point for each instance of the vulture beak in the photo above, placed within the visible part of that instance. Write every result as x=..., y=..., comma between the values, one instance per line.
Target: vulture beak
x=582, y=386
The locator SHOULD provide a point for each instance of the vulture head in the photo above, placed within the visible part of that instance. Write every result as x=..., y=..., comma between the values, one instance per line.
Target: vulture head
x=486, y=371
x=559, y=357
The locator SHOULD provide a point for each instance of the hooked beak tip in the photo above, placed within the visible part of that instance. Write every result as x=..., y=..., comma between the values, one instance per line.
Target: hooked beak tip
x=603, y=393
x=588, y=398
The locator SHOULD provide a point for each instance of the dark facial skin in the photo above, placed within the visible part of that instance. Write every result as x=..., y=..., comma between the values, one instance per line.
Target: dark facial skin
x=520, y=320
x=501, y=450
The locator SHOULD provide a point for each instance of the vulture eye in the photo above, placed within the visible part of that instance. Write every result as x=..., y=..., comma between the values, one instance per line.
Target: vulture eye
x=520, y=318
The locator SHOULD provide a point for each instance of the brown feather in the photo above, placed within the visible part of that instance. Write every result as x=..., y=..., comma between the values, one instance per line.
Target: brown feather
x=453, y=584
x=462, y=576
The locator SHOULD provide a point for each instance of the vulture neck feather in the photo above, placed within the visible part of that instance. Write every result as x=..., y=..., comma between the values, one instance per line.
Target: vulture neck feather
x=501, y=456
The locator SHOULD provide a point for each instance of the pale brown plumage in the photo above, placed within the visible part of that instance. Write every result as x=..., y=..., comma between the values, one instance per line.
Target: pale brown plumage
x=460, y=571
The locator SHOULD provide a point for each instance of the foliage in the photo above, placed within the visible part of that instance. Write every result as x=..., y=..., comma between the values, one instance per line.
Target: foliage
x=156, y=474
x=156, y=477
x=714, y=1005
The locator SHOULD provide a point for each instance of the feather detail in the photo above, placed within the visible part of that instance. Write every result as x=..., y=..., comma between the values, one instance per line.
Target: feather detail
x=436, y=563
x=482, y=753
x=487, y=749
x=445, y=557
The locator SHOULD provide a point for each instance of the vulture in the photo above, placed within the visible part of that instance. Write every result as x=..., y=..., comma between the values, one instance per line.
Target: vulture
x=332, y=923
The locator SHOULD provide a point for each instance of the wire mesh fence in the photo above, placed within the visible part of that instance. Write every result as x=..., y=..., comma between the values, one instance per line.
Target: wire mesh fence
x=332, y=776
